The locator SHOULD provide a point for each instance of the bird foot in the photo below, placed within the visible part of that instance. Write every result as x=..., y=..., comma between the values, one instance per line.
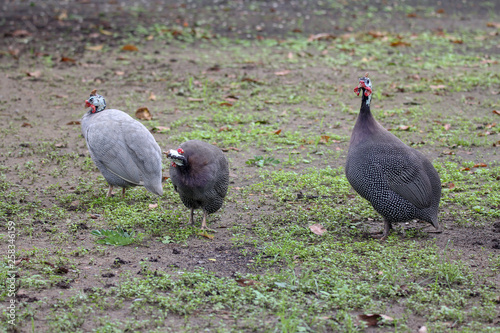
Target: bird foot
x=379, y=235
x=207, y=229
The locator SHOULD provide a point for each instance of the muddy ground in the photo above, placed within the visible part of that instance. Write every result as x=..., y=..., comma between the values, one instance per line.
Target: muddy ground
x=38, y=106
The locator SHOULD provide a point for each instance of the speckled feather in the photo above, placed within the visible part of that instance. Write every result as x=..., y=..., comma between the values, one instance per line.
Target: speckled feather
x=399, y=181
x=203, y=181
x=123, y=149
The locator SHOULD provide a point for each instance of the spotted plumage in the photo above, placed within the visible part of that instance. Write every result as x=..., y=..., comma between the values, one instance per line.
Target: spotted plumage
x=399, y=181
x=200, y=174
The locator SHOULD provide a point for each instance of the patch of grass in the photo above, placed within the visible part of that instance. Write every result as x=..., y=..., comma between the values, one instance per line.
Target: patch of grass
x=283, y=102
x=261, y=161
x=117, y=237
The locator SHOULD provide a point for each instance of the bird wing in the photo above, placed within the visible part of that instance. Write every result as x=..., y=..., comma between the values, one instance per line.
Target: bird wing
x=122, y=145
x=406, y=175
x=223, y=177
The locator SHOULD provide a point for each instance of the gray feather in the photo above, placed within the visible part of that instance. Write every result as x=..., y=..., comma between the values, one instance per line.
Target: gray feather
x=123, y=149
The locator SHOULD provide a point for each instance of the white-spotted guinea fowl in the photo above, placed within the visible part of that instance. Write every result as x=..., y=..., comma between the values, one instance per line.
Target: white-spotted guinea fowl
x=122, y=148
x=399, y=181
x=200, y=174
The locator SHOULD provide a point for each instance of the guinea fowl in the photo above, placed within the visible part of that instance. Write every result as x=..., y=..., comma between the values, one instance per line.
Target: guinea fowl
x=399, y=181
x=122, y=148
x=200, y=174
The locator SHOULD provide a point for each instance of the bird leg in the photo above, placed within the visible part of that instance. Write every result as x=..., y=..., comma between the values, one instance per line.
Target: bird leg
x=438, y=230
x=191, y=217
x=110, y=191
x=387, y=230
x=204, y=222
x=123, y=192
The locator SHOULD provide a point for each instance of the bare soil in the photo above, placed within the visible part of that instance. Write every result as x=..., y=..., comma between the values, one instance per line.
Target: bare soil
x=48, y=102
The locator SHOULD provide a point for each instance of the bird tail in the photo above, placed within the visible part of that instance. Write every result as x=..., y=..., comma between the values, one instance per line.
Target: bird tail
x=435, y=223
x=156, y=188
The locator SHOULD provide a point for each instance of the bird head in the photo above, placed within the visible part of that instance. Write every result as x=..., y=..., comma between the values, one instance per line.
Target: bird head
x=96, y=102
x=364, y=84
x=177, y=157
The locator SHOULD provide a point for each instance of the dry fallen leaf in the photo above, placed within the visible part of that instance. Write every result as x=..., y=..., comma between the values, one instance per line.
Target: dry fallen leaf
x=206, y=235
x=230, y=148
x=19, y=261
x=496, y=112
x=377, y=34
x=373, y=319
x=324, y=139
x=403, y=127
x=26, y=125
x=277, y=132
x=74, y=204
x=493, y=25
x=67, y=59
x=225, y=104
x=247, y=282
x=120, y=73
x=318, y=229
x=14, y=52
x=400, y=43
x=105, y=32
x=130, y=47
x=20, y=33
x=74, y=122
x=94, y=47
x=447, y=126
x=143, y=114
x=152, y=96
x=282, y=73
x=248, y=79
x=422, y=329
x=480, y=165
x=190, y=99
x=322, y=36
x=161, y=129
x=36, y=74
x=153, y=206
x=63, y=15
x=451, y=185
x=439, y=86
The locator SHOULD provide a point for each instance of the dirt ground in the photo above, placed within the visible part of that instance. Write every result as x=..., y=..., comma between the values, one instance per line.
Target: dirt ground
x=39, y=107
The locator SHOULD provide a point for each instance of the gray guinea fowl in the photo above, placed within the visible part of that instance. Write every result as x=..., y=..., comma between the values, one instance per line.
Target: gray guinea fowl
x=399, y=181
x=200, y=174
x=122, y=148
